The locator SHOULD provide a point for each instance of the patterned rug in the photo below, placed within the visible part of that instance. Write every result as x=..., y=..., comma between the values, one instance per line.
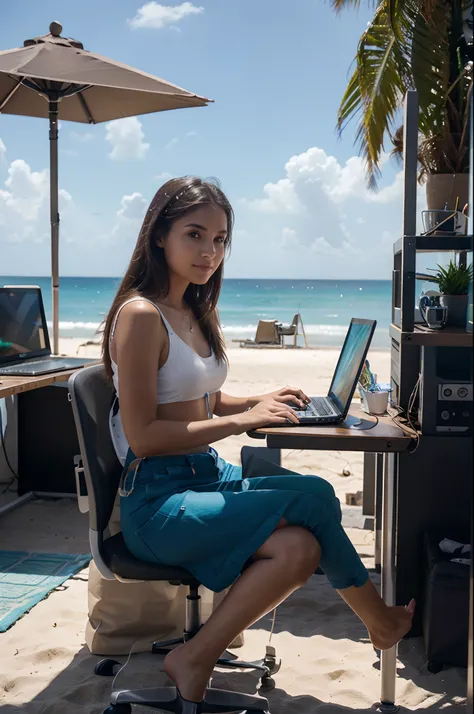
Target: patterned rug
x=26, y=578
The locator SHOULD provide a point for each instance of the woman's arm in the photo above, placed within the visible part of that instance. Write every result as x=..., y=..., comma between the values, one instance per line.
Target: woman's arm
x=227, y=405
x=139, y=338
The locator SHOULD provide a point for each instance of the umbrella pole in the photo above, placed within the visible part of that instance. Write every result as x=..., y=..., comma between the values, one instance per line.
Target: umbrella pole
x=54, y=197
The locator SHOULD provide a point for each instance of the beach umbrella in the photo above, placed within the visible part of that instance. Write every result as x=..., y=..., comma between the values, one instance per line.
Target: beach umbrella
x=55, y=78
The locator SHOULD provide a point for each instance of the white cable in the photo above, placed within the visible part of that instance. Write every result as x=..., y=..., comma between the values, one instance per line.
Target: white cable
x=273, y=625
x=124, y=665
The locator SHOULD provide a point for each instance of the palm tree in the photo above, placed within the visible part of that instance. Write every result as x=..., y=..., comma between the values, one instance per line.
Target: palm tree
x=413, y=44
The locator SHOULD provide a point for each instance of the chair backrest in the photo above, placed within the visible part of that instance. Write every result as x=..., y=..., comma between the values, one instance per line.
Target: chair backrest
x=267, y=332
x=294, y=322
x=91, y=398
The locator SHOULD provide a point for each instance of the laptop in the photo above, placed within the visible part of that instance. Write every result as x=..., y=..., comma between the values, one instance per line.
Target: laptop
x=333, y=408
x=25, y=349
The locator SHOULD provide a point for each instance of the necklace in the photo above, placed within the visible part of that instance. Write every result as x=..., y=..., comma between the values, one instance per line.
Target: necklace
x=190, y=321
x=188, y=314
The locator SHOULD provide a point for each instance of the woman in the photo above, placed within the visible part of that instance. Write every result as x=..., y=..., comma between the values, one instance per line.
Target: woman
x=183, y=505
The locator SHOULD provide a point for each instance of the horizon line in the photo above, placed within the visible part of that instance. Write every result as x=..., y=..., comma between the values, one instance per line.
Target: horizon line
x=113, y=277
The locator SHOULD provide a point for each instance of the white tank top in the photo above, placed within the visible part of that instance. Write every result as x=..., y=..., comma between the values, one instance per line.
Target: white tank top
x=185, y=376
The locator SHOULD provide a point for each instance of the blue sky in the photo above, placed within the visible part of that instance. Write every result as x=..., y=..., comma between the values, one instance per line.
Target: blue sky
x=276, y=72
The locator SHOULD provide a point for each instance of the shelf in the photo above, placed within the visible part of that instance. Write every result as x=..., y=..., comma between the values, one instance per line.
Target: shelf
x=435, y=244
x=424, y=337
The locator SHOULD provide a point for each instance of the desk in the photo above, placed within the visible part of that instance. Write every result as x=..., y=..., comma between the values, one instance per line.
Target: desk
x=11, y=386
x=360, y=432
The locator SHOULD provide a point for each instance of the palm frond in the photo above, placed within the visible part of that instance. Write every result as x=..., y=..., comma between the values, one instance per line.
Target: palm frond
x=375, y=89
x=417, y=44
x=339, y=5
x=351, y=102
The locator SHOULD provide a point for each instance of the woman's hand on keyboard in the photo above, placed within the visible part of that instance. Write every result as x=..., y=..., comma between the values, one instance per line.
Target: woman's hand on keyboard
x=287, y=395
x=267, y=412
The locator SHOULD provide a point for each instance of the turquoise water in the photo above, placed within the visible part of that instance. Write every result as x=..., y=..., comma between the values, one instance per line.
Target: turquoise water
x=326, y=306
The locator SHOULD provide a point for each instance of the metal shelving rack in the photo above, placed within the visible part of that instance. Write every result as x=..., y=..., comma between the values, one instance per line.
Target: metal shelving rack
x=421, y=476
x=404, y=332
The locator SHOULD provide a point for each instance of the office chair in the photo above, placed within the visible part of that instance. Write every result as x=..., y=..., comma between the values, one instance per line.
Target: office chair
x=91, y=397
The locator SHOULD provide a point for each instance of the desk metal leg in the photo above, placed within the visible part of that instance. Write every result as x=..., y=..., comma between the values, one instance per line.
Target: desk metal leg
x=378, y=511
x=388, y=661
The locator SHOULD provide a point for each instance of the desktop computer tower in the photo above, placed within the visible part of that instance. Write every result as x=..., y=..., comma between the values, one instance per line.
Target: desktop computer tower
x=47, y=441
x=446, y=391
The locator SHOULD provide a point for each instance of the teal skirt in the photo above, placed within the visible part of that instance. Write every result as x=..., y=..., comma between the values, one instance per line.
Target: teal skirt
x=200, y=513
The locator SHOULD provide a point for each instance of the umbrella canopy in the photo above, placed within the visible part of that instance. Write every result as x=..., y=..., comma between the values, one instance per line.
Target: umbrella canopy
x=54, y=77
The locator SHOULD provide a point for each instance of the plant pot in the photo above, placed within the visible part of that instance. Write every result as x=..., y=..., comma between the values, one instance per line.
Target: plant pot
x=442, y=189
x=457, y=309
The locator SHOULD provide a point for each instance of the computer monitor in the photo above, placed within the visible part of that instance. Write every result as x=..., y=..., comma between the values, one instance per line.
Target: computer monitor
x=23, y=328
x=351, y=362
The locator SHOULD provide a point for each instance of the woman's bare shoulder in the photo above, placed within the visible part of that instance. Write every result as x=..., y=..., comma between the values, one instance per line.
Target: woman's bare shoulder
x=140, y=315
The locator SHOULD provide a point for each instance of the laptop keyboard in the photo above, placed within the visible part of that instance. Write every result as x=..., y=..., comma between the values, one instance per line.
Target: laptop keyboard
x=320, y=407
x=46, y=363
x=13, y=368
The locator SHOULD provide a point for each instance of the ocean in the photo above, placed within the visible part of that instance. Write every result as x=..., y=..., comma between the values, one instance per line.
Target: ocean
x=326, y=306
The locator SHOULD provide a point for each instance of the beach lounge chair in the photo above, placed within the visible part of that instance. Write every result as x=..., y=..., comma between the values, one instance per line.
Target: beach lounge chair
x=89, y=343
x=266, y=334
x=290, y=330
x=91, y=397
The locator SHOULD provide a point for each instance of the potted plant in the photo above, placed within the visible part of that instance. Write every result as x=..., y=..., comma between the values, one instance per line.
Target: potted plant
x=453, y=284
x=424, y=45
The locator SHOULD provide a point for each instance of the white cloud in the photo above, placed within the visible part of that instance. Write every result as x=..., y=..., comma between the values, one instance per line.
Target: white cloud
x=320, y=220
x=315, y=193
x=89, y=244
x=28, y=190
x=126, y=137
x=163, y=176
x=339, y=182
x=171, y=143
x=3, y=149
x=84, y=137
x=132, y=207
x=280, y=197
x=24, y=204
x=127, y=224
x=153, y=15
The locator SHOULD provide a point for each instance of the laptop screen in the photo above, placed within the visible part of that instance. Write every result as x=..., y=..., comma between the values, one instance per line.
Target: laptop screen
x=351, y=361
x=23, y=330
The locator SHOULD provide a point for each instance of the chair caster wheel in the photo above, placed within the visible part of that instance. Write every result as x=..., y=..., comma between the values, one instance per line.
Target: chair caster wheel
x=119, y=709
x=108, y=668
x=270, y=660
x=434, y=667
x=267, y=683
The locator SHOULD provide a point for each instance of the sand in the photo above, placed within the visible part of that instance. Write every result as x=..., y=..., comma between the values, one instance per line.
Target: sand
x=328, y=664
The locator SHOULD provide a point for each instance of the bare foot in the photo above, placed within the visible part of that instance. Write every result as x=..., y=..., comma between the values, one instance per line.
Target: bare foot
x=188, y=672
x=398, y=624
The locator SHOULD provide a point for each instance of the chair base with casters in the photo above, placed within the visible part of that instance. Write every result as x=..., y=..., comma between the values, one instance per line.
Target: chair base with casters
x=122, y=562
x=164, y=698
x=91, y=398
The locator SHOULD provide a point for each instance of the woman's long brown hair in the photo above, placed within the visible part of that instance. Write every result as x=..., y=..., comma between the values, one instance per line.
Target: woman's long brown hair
x=147, y=274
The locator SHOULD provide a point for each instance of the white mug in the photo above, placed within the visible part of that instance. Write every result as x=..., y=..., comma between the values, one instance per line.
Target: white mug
x=374, y=402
